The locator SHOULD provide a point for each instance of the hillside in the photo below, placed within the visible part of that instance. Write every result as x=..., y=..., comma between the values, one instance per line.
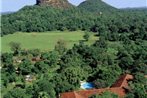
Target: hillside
x=46, y=18
x=54, y=3
x=6, y=13
x=96, y=6
x=84, y=17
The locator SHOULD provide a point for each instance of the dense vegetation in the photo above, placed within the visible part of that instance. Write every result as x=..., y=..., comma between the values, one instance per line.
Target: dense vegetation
x=105, y=95
x=42, y=18
x=120, y=49
x=97, y=6
x=62, y=70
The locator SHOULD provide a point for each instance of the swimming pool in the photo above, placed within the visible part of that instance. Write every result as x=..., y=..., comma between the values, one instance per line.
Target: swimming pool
x=87, y=85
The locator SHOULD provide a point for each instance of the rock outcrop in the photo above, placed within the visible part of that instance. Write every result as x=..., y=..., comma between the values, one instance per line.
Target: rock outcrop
x=54, y=3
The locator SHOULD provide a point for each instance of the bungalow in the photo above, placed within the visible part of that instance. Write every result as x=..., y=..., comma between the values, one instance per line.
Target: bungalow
x=119, y=87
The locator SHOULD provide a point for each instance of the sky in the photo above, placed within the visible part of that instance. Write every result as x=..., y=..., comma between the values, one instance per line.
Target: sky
x=15, y=5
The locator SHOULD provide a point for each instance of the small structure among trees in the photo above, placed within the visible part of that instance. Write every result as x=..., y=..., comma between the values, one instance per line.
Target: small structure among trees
x=118, y=88
x=29, y=78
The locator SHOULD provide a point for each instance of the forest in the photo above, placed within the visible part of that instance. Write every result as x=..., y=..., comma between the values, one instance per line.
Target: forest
x=120, y=49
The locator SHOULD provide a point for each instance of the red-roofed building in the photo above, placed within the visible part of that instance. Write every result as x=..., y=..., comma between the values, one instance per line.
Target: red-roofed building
x=119, y=88
x=122, y=82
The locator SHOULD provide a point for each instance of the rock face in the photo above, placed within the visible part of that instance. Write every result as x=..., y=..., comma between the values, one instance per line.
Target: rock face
x=54, y=3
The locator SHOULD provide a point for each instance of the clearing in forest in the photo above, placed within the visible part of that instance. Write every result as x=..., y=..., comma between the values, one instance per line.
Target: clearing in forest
x=44, y=40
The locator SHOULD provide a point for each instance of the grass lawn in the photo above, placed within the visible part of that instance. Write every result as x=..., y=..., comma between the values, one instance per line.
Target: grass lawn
x=45, y=40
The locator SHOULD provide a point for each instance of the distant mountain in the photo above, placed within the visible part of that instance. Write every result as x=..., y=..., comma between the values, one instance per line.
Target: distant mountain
x=54, y=3
x=5, y=13
x=135, y=8
x=96, y=6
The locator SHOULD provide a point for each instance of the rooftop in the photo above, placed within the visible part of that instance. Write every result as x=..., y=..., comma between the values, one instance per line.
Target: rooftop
x=117, y=88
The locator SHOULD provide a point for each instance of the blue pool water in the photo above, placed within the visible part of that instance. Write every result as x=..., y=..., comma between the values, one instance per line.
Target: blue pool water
x=87, y=85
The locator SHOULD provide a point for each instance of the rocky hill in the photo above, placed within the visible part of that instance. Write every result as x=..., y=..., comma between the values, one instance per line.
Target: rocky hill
x=54, y=3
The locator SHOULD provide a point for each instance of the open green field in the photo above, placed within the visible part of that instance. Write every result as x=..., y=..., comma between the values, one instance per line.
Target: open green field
x=45, y=40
